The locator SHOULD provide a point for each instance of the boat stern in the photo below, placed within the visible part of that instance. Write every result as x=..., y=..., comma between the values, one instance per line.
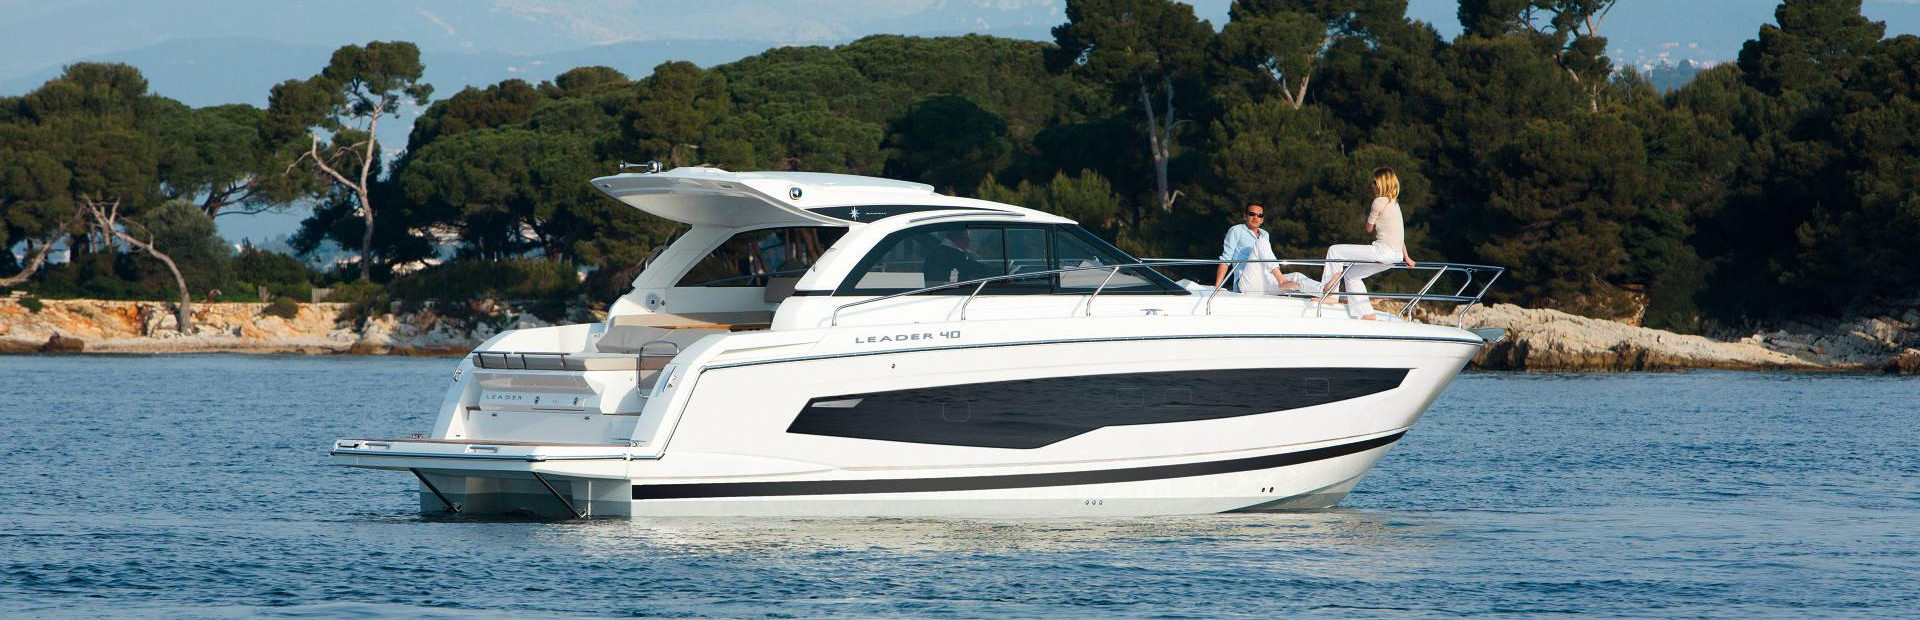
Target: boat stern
x=501, y=477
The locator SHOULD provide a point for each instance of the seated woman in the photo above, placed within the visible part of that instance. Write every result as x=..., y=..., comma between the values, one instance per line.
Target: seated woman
x=1389, y=246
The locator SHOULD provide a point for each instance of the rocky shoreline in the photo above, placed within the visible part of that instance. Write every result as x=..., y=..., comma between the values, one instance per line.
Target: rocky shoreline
x=1537, y=339
x=94, y=326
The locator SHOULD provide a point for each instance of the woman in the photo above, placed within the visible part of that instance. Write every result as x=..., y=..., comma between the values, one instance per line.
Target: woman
x=1389, y=246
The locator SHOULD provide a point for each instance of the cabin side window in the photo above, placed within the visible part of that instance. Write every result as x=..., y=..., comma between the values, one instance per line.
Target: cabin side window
x=1075, y=248
x=939, y=254
x=753, y=257
x=929, y=256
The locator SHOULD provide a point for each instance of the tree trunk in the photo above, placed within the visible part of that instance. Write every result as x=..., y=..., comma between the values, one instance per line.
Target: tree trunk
x=366, y=238
x=33, y=266
x=107, y=220
x=1165, y=156
x=366, y=201
x=1157, y=147
x=40, y=257
x=183, y=312
x=360, y=190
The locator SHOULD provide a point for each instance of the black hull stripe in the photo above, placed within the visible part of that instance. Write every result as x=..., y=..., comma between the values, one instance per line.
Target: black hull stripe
x=1017, y=481
x=1027, y=343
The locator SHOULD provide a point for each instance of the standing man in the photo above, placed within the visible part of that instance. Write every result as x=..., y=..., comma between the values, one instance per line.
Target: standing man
x=1250, y=242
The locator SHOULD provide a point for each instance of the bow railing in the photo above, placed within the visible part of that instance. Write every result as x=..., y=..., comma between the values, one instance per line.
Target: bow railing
x=1485, y=275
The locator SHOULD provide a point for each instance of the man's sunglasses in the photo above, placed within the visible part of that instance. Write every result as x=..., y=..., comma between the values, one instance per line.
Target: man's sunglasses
x=1256, y=214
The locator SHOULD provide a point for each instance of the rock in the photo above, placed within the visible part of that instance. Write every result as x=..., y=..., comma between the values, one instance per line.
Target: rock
x=1908, y=363
x=63, y=344
x=367, y=346
x=1860, y=343
x=1550, y=340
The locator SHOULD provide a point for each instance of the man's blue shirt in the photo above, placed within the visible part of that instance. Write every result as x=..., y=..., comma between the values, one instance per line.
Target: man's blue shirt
x=1240, y=244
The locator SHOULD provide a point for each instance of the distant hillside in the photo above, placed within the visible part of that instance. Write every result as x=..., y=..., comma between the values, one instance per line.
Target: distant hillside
x=41, y=35
x=213, y=71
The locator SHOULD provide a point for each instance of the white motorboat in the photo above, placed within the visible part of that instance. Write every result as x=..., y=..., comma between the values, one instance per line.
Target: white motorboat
x=833, y=345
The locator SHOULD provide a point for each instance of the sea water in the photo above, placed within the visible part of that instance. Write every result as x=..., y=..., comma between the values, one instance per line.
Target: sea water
x=199, y=486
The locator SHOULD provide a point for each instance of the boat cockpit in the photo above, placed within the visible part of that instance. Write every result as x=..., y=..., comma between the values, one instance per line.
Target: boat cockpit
x=757, y=239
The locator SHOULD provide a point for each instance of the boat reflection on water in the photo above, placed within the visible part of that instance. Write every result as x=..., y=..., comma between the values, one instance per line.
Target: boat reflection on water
x=1328, y=533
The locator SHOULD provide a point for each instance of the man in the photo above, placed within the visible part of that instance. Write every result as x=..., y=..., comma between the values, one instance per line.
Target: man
x=1251, y=242
x=952, y=260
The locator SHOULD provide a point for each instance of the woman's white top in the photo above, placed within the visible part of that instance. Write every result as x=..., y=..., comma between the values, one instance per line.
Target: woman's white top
x=1388, y=230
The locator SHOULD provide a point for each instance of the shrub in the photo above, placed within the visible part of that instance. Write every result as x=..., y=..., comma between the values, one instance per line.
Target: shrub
x=363, y=299
x=100, y=275
x=282, y=275
x=256, y=266
x=282, y=307
x=32, y=304
x=508, y=279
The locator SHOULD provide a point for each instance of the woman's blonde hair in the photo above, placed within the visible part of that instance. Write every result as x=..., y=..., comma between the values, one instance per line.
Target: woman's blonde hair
x=1385, y=183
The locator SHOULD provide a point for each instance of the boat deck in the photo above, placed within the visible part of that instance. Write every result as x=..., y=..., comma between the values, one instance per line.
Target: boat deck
x=496, y=442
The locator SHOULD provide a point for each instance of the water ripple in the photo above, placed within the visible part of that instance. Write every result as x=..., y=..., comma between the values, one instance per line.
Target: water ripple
x=198, y=487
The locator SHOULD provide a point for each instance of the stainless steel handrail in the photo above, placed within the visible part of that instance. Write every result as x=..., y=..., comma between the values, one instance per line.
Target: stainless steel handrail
x=1439, y=269
x=1425, y=294
x=1102, y=287
x=834, y=319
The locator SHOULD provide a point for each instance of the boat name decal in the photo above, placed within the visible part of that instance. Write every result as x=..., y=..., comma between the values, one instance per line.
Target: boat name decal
x=945, y=335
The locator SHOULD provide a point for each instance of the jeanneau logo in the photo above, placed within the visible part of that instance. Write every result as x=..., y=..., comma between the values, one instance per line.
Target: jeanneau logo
x=907, y=337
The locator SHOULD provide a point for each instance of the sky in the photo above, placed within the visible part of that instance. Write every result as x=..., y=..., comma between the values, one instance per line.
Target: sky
x=210, y=52
x=38, y=36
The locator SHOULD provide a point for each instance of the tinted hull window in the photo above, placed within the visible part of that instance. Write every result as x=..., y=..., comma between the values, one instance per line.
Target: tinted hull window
x=1031, y=413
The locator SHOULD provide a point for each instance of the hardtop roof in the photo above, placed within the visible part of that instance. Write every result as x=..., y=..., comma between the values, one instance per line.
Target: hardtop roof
x=704, y=196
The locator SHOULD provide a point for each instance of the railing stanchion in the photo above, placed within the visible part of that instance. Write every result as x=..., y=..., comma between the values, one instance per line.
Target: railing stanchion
x=969, y=301
x=1232, y=273
x=1407, y=313
x=1103, y=286
x=1476, y=298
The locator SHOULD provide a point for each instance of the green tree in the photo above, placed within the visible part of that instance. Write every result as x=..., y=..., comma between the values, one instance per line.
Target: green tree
x=360, y=86
x=223, y=157
x=191, y=241
x=583, y=81
x=1149, y=52
x=675, y=113
x=1558, y=208
x=510, y=191
x=93, y=123
x=511, y=102
x=1820, y=121
x=811, y=137
x=35, y=207
x=1279, y=47
x=948, y=141
x=1086, y=198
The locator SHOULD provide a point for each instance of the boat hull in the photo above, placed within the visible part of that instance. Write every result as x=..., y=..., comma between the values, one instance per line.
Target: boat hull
x=1114, y=424
x=1317, y=478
